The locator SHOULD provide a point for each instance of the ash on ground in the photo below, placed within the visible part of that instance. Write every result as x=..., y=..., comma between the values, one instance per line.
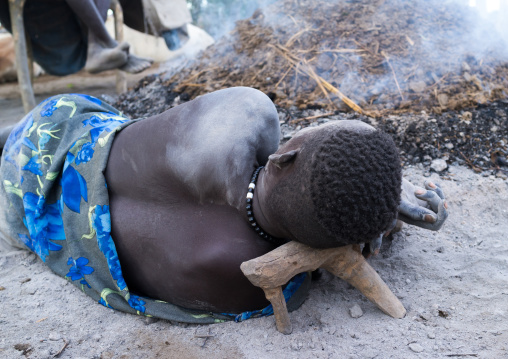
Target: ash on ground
x=417, y=75
x=386, y=56
x=477, y=138
x=474, y=137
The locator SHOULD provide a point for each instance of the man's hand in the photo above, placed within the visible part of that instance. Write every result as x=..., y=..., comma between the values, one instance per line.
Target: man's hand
x=419, y=207
x=423, y=208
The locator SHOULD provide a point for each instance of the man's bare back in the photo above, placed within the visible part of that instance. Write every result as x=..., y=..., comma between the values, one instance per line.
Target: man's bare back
x=177, y=186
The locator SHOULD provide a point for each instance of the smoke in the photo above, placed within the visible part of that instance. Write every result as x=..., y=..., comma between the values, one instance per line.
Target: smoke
x=423, y=42
x=383, y=54
x=494, y=16
x=218, y=18
x=481, y=26
x=481, y=30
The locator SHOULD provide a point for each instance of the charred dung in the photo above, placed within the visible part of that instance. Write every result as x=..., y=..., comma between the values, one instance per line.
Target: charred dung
x=433, y=74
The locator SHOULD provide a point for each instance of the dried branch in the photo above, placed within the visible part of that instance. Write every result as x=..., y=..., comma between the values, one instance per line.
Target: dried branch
x=324, y=85
x=394, y=75
x=475, y=168
x=283, y=76
x=311, y=117
x=66, y=343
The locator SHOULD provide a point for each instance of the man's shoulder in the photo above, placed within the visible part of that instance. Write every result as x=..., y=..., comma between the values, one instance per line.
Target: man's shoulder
x=221, y=137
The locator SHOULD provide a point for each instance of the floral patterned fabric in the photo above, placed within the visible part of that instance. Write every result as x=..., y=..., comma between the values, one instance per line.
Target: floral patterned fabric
x=54, y=200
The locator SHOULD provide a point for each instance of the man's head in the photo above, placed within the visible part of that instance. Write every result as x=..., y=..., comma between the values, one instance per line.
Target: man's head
x=336, y=184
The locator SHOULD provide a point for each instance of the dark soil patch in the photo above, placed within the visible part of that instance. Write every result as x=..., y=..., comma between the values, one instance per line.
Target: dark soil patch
x=476, y=137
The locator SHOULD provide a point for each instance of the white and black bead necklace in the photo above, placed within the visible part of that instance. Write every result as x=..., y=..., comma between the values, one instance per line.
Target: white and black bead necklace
x=250, y=211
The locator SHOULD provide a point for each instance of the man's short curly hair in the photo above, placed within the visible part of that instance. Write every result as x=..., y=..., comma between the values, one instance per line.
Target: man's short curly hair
x=355, y=184
x=342, y=188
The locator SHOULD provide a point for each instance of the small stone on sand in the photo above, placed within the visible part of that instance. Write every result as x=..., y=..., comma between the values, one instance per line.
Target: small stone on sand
x=54, y=336
x=417, y=348
x=355, y=311
x=439, y=165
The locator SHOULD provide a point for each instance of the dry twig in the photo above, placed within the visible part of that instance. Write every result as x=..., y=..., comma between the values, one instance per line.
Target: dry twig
x=475, y=168
x=297, y=35
x=336, y=51
x=195, y=76
x=204, y=336
x=324, y=85
x=319, y=27
x=394, y=75
x=283, y=77
x=311, y=117
x=66, y=342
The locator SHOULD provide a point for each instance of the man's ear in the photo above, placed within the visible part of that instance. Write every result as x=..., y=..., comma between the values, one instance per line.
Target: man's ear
x=284, y=159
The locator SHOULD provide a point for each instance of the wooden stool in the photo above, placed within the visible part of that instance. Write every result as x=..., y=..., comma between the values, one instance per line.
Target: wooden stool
x=121, y=78
x=24, y=60
x=22, y=54
x=274, y=269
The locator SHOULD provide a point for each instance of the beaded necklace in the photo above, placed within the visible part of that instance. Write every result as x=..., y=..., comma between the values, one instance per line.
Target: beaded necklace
x=250, y=211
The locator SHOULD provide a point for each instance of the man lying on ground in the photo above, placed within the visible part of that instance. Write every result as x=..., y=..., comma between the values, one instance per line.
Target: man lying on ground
x=155, y=216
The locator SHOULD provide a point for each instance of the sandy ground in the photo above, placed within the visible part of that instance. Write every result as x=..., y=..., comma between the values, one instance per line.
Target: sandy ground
x=453, y=283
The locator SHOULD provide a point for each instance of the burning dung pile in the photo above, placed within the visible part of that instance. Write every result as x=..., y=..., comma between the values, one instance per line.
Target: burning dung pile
x=382, y=62
x=378, y=57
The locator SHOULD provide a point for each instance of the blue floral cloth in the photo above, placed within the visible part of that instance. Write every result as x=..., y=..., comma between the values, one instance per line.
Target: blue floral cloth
x=54, y=200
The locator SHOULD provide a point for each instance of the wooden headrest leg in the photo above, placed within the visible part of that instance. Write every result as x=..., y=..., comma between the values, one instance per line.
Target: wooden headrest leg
x=354, y=269
x=274, y=269
x=282, y=321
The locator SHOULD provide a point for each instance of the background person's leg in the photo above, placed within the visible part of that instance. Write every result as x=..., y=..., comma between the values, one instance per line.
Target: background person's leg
x=93, y=14
x=104, y=53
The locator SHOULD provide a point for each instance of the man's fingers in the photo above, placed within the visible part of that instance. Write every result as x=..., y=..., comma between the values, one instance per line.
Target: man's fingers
x=373, y=247
x=431, y=210
x=417, y=213
x=442, y=214
x=433, y=221
x=435, y=187
x=431, y=197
